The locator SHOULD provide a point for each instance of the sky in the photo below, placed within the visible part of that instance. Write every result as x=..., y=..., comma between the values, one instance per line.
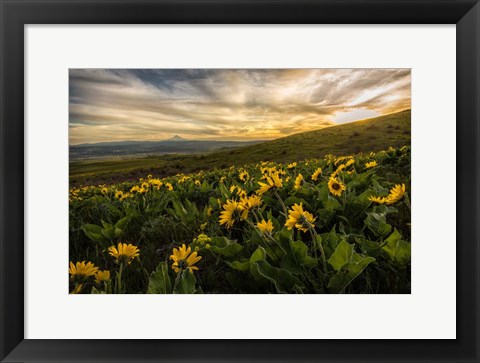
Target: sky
x=231, y=104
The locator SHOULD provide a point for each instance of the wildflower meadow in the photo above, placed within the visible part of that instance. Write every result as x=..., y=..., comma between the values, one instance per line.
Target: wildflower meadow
x=340, y=224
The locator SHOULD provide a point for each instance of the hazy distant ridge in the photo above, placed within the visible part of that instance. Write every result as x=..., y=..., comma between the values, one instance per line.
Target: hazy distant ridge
x=176, y=144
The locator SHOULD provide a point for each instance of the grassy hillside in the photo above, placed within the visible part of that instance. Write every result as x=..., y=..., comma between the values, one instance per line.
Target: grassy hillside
x=361, y=136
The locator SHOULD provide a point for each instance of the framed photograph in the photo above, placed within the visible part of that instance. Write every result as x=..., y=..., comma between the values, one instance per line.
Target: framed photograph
x=273, y=181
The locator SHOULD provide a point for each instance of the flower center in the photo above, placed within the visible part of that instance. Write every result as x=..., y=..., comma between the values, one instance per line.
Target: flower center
x=182, y=264
x=335, y=186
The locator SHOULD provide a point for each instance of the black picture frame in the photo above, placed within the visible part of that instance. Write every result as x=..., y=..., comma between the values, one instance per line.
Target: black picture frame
x=15, y=14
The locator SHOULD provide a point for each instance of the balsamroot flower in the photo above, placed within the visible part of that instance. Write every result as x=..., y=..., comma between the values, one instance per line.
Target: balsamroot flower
x=316, y=174
x=395, y=195
x=184, y=259
x=336, y=187
x=298, y=181
x=124, y=253
x=81, y=271
x=265, y=227
x=273, y=181
x=101, y=276
x=299, y=218
x=233, y=212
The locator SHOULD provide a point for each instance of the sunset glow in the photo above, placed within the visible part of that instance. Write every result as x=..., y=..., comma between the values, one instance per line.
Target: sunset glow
x=213, y=104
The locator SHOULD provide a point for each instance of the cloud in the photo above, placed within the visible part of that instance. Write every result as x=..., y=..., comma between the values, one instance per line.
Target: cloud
x=120, y=104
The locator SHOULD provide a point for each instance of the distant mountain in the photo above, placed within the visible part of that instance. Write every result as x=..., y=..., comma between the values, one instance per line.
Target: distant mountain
x=176, y=138
x=174, y=145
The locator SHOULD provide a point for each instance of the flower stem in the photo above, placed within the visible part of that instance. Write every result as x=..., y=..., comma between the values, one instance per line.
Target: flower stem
x=119, y=279
x=322, y=252
x=177, y=279
x=281, y=202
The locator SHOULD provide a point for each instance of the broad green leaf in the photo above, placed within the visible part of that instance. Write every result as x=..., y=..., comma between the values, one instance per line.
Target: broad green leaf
x=283, y=280
x=243, y=266
x=122, y=223
x=224, y=190
x=94, y=232
x=391, y=243
x=332, y=204
x=343, y=278
x=186, y=283
x=205, y=188
x=230, y=250
x=342, y=255
x=107, y=226
x=159, y=281
x=371, y=248
x=377, y=223
x=323, y=193
x=398, y=251
x=297, y=258
x=258, y=255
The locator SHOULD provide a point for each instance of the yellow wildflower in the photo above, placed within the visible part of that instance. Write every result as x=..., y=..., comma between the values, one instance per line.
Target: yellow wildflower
x=396, y=193
x=184, y=259
x=233, y=211
x=371, y=164
x=265, y=227
x=336, y=187
x=299, y=218
x=101, y=276
x=81, y=271
x=254, y=201
x=243, y=176
x=298, y=181
x=273, y=181
x=124, y=253
x=316, y=174
x=378, y=200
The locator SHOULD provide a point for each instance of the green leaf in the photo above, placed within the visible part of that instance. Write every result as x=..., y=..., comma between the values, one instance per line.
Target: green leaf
x=342, y=255
x=323, y=193
x=224, y=190
x=227, y=251
x=283, y=280
x=371, y=248
x=258, y=255
x=159, y=281
x=122, y=223
x=343, y=278
x=391, y=243
x=205, y=188
x=94, y=232
x=332, y=204
x=297, y=258
x=107, y=226
x=377, y=223
x=186, y=283
x=398, y=251
x=242, y=266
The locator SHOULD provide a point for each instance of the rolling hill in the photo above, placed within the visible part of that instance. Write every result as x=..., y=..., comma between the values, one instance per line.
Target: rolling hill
x=360, y=136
